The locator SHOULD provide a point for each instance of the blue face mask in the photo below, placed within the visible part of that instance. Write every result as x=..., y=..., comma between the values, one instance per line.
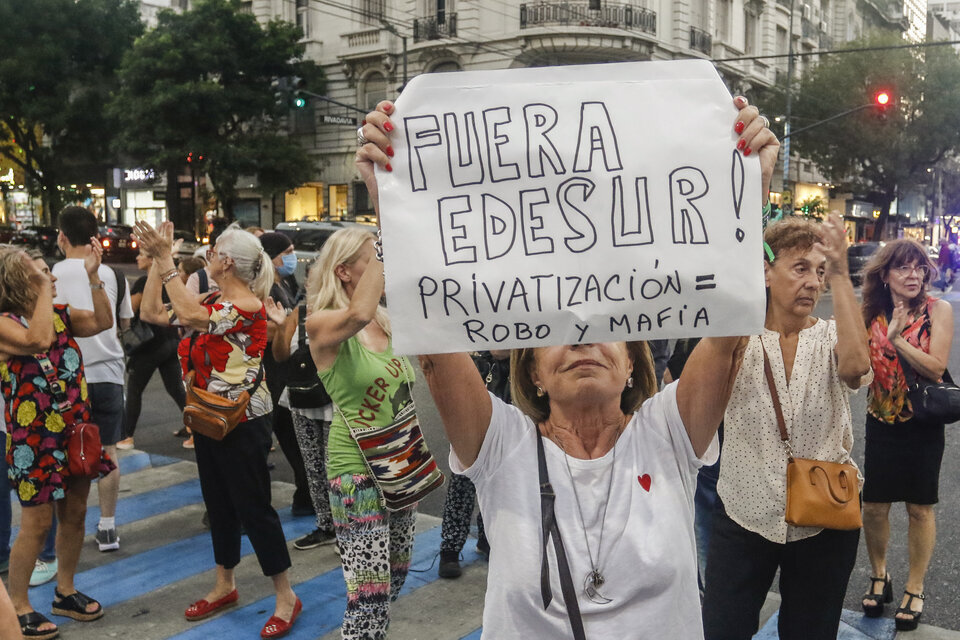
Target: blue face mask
x=289, y=264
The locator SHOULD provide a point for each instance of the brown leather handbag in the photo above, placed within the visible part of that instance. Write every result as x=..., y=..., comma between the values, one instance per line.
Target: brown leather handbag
x=819, y=493
x=213, y=415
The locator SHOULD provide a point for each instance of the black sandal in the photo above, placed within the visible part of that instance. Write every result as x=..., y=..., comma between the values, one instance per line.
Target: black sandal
x=75, y=606
x=30, y=626
x=909, y=624
x=875, y=610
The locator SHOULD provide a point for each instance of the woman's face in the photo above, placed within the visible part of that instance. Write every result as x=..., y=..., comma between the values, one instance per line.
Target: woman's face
x=795, y=280
x=906, y=280
x=218, y=264
x=144, y=261
x=41, y=265
x=586, y=371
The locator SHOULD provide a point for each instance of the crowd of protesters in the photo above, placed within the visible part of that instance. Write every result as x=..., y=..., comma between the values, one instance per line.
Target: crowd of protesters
x=78, y=344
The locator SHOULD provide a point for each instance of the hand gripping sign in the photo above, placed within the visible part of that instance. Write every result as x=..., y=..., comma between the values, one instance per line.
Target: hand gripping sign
x=561, y=205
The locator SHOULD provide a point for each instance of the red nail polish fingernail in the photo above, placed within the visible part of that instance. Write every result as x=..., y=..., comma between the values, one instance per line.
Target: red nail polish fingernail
x=389, y=151
x=363, y=122
x=388, y=167
x=746, y=151
x=741, y=145
x=738, y=127
x=387, y=127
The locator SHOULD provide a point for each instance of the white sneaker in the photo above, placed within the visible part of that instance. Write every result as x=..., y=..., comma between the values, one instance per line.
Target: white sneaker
x=108, y=540
x=43, y=572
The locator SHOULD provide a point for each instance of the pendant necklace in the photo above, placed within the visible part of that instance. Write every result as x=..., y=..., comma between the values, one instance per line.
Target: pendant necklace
x=594, y=580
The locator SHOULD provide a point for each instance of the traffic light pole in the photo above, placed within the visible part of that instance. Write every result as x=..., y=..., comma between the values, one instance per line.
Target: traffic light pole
x=786, y=125
x=830, y=119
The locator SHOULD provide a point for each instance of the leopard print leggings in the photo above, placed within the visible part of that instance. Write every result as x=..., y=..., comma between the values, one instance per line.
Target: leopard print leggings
x=457, y=509
x=375, y=550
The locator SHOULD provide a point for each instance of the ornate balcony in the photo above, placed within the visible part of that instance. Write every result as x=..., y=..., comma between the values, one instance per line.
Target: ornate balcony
x=442, y=25
x=614, y=16
x=700, y=40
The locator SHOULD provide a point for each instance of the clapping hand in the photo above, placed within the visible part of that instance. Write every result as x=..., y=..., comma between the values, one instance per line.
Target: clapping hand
x=834, y=246
x=156, y=243
x=275, y=311
x=91, y=263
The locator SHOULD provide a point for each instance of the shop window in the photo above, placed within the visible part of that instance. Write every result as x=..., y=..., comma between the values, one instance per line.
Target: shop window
x=338, y=201
x=304, y=203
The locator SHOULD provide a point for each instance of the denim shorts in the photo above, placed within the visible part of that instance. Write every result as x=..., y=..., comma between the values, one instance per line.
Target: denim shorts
x=106, y=410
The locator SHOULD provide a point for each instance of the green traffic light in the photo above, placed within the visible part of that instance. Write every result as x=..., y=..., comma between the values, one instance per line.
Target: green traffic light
x=299, y=102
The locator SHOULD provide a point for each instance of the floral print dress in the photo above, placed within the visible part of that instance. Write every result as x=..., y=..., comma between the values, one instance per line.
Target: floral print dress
x=887, y=400
x=227, y=356
x=36, y=454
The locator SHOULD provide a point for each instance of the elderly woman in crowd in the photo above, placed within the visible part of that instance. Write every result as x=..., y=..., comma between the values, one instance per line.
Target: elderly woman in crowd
x=621, y=460
x=36, y=344
x=816, y=364
x=226, y=352
x=910, y=336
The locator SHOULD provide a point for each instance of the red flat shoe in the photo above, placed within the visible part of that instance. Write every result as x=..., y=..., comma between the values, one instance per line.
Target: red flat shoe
x=277, y=626
x=202, y=609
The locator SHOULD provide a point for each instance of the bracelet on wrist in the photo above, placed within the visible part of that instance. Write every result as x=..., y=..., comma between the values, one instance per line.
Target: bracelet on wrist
x=96, y=286
x=169, y=275
x=378, y=245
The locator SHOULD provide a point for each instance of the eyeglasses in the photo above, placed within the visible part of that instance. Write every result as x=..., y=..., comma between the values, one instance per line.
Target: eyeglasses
x=210, y=254
x=905, y=270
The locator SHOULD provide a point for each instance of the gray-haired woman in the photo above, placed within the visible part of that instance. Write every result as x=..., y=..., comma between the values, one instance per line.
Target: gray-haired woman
x=225, y=353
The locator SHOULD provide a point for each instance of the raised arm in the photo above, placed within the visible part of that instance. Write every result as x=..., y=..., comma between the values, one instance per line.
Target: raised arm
x=929, y=365
x=705, y=387
x=17, y=340
x=286, y=324
x=90, y=323
x=462, y=401
x=158, y=244
x=852, y=350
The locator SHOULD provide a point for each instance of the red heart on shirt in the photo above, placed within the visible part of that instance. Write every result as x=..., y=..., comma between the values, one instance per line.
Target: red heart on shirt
x=645, y=481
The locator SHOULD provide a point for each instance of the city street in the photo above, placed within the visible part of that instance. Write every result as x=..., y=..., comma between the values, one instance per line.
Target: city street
x=165, y=561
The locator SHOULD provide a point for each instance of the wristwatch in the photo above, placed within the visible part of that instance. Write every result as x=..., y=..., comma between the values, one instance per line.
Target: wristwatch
x=99, y=285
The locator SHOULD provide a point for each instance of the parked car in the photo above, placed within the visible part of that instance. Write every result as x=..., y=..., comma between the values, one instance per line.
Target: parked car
x=190, y=244
x=37, y=237
x=308, y=237
x=857, y=257
x=118, y=242
x=7, y=232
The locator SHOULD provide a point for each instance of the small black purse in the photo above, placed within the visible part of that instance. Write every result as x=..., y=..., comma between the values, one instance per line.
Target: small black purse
x=932, y=401
x=304, y=386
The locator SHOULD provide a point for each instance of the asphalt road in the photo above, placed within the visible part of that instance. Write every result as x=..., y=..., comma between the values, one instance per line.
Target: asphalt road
x=160, y=418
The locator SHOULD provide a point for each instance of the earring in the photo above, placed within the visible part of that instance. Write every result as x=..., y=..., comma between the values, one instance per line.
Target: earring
x=539, y=391
x=630, y=382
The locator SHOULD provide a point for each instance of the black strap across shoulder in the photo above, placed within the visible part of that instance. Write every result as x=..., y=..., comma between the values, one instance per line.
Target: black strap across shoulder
x=550, y=529
x=301, y=330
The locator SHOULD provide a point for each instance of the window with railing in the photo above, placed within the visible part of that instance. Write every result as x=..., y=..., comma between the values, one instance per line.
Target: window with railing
x=303, y=17
x=619, y=16
x=700, y=40
x=372, y=11
x=441, y=25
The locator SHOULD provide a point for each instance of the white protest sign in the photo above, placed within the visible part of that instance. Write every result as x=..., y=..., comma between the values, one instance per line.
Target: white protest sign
x=560, y=205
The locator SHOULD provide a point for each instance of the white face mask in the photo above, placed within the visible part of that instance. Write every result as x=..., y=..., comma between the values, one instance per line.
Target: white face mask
x=289, y=264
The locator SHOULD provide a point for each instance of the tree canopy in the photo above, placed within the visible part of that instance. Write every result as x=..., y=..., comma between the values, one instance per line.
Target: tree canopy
x=57, y=70
x=874, y=152
x=200, y=84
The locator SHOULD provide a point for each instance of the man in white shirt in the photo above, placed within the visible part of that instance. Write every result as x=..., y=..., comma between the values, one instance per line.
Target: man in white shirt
x=103, y=358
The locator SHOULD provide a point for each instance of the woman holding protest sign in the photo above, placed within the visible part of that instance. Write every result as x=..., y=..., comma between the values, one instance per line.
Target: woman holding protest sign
x=618, y=476
x=791, y=398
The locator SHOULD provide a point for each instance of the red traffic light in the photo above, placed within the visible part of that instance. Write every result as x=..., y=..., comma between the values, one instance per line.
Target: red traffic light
x=882, y=98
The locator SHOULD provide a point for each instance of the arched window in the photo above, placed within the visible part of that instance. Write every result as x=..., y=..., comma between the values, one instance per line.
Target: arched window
x=374, y=90
x=443, y=67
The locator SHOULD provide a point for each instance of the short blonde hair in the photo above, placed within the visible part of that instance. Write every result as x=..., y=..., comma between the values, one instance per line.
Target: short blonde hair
x=16, y=294
x=324, y=289
x=524, y=391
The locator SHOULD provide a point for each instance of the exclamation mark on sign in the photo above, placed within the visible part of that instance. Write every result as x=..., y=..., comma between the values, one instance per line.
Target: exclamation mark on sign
x=736, y=180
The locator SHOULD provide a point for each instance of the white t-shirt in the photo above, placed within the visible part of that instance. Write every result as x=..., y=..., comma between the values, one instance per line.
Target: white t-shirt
x=102, y=353
x=648, y=554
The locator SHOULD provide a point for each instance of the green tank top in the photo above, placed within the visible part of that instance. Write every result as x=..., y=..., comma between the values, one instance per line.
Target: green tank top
x=369, y=389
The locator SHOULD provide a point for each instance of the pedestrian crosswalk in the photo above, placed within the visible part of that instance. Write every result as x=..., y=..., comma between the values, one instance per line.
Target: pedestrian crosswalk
x=165, y=562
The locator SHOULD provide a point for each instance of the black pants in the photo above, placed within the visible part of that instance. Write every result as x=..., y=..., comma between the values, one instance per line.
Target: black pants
x=814, y=573
x=236, y=490
x=287, y=439
x=140, y=368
